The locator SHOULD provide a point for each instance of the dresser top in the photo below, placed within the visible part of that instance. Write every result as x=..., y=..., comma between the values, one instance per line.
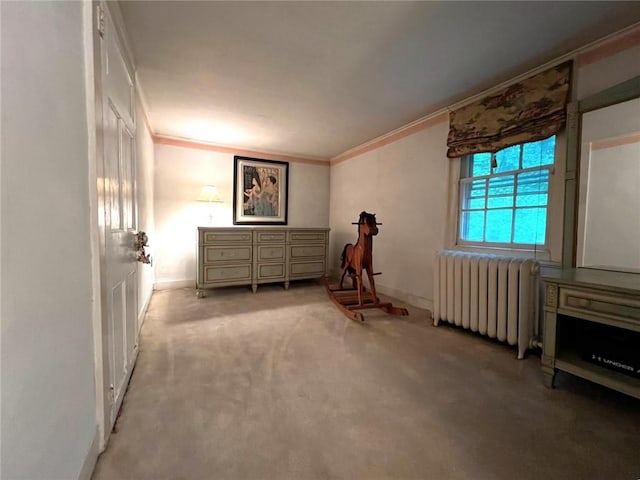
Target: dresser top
x=601, y=279
x=263, y=227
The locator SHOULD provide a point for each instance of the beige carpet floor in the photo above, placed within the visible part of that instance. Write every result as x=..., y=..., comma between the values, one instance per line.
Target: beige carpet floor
x=280, y=385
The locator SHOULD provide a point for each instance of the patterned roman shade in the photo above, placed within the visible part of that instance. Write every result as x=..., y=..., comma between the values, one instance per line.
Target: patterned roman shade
x=526, y=111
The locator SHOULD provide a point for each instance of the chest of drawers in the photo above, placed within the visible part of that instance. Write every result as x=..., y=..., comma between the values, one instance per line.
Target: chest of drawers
x=253, y=256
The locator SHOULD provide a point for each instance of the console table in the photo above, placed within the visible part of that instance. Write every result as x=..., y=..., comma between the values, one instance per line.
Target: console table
x=257, y=255
x=578, y=298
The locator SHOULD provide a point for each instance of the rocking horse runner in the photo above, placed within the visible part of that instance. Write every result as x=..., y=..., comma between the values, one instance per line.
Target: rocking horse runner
x=355, y=259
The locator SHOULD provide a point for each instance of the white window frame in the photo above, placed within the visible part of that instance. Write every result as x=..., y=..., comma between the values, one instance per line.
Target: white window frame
x=551, y=251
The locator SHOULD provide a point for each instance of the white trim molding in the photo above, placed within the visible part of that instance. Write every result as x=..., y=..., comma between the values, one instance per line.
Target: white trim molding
x=91, y=459
x=171, y=284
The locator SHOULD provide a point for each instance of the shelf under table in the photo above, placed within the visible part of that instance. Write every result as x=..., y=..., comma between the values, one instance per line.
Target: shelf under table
x=570, y=362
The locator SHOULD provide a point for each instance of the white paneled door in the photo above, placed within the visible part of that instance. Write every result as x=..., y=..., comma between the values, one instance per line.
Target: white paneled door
x=117, y=202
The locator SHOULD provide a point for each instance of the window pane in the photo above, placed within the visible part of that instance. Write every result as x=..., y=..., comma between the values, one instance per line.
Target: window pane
x=508, y=159
x=536, y=181
x=501, y=185
x=475, y=203
x=499, y=225
x=530, y=225
x=500, y=202
x=548, y=150
x=473, y=194
x=532, y=200
x=531, y=154
x=535, y=154
x=501, y=191
x=472, y=226
x=480, y=164
x=533, y=188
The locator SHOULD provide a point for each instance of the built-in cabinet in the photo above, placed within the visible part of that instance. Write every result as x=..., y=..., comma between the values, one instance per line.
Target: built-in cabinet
x=258, y=255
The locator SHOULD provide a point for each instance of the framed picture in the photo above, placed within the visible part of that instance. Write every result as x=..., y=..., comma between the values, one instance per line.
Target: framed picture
x=260, y=190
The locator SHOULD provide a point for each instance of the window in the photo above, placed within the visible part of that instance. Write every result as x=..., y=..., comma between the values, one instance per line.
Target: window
x=504, y=196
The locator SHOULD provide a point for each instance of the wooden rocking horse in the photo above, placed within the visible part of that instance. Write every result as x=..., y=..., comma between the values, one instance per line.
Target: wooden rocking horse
x=355, y=259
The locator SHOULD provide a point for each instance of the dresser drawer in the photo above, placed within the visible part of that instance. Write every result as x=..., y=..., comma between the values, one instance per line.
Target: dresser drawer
x=306, y=269
x=306, y=251
x=226, y=254
x=270, y=253
x=614, y=306
x=217, y=237
x=271, y=271
x=271, y=237
x=226, y=273
x=303, y=236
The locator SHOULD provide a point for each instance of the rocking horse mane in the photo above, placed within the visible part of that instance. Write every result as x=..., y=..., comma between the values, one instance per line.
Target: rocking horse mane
x=343, y=259
x=366, y=218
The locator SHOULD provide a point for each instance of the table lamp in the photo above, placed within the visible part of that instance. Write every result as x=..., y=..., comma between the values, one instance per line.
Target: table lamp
x=210, y=194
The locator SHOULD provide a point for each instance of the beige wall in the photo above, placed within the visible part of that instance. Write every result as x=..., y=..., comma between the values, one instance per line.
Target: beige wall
x=612, y=233
x=607, y=71
x=407, y=183
x=145, y=166
x=608, y=221
x=180, y=173
x=48, y=390
x=48, y=288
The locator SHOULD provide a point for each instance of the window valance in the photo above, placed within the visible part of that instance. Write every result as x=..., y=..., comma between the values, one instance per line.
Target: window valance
x=526, y=111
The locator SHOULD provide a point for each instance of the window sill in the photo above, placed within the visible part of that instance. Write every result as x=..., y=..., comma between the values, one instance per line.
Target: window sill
x=541, y=254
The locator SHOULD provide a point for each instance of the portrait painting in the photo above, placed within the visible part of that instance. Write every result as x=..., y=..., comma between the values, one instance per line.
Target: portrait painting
x=260, y=191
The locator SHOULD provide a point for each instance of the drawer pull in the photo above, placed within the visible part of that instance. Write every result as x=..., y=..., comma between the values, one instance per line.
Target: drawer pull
x=223, y=238
x=579, y=302
x=271, y=237
x=583, y=302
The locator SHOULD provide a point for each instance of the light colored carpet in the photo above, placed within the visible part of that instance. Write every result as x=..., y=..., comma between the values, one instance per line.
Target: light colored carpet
x=280, y=385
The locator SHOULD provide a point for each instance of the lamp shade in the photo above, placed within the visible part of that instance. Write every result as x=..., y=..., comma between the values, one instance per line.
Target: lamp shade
x=209, y=193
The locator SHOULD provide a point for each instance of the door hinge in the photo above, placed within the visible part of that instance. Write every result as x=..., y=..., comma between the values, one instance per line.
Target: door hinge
x=100, y=20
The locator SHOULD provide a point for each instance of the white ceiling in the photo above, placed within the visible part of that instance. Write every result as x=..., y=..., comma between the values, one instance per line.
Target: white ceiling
x=314, y=79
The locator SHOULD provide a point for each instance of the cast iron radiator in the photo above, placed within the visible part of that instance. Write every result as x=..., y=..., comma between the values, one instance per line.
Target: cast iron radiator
x=489, y=294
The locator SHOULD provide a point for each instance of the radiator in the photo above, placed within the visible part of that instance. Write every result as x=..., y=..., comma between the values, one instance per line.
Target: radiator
x=492, y=295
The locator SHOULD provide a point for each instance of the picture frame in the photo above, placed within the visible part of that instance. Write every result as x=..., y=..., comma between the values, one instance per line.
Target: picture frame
x=260, y=191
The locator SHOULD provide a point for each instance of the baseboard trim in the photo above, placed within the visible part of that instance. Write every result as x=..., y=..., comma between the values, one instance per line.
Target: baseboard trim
x=171, y=284
x=143, y=312
x=411, y=299
x=91, y=459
